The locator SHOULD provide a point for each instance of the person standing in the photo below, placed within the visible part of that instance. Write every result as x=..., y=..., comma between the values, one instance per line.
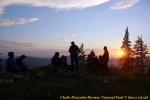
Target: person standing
x=92, y=54
x=74, y=51
x=105, y=59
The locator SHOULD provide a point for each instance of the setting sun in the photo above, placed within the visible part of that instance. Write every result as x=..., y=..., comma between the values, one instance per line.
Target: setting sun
x=121, y=53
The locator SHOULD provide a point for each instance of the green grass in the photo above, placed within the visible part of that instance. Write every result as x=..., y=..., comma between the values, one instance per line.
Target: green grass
x=37, y=88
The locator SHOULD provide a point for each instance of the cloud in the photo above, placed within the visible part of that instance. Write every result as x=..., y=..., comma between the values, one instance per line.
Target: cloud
x=123, y=4
x=72, y=34
x=20, y=40
x=14, y=44
x=116, y=49
x=8, y=22
x=33, y=19
x=57, y=4
x=61, y=39
x=6, y=32
x=90, y=49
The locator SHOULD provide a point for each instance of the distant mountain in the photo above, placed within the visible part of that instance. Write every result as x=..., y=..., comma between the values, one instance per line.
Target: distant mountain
x=36, y=62
x=32, y=62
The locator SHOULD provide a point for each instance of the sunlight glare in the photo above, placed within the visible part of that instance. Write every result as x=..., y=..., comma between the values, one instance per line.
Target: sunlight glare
x=121, y=53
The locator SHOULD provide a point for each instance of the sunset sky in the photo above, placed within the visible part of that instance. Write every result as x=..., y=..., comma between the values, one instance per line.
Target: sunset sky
x=40, y=27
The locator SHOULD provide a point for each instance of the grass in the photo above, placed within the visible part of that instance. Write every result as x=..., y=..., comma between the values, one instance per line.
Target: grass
x=37, y=88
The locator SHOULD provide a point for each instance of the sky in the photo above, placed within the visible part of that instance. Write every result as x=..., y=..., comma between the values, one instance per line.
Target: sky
x=40, y=28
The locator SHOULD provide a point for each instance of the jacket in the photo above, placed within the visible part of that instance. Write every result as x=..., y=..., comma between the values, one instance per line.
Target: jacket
x=10, y=61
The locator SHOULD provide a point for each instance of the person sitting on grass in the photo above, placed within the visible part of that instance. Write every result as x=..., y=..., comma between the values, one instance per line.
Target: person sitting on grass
x=21, y=64
x=10, y=63
x=57, y=62
x=64, y=62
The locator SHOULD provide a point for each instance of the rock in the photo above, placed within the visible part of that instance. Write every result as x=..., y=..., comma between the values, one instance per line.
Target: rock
x=106, y=81
x=26, y=78
x=10, y=80
x=1, y=80
x=41, y=74
x=49, y=94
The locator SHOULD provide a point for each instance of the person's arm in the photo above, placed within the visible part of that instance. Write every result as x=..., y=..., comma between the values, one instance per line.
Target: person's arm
x=69, y=49
x=22, y=63
x=78, y=50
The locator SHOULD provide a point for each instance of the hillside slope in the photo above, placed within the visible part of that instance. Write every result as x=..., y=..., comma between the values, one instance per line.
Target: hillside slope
x=82, y=83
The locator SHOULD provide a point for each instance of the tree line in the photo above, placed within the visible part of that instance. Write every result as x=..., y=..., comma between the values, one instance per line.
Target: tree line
x=133, y=58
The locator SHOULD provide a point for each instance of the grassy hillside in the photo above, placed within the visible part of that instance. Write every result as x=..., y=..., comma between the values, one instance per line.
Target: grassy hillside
x=82, y=83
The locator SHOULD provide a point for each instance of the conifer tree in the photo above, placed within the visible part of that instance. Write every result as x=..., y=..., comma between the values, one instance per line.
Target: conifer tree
x=126, y=60
x=140, y=51
x=82, y=54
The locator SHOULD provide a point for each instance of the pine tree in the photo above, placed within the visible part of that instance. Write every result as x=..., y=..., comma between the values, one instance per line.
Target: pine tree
x=140, y=52
x=82, y=54
x=126, y=60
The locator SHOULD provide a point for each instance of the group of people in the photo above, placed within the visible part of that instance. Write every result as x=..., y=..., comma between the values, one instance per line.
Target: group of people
x=102, y=62
x=16, y=66
x=61, y=62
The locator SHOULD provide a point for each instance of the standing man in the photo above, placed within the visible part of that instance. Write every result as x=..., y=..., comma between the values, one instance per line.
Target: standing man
x=74, y=51
x=105, y=59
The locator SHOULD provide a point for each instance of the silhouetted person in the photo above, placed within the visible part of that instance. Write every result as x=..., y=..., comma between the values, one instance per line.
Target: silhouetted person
x=56, y=61
x=92, y=54
x=89, y=62
x=95, y=60
x=64, y=62
x=89, y=59
x=74, y=51
x=100, y=62
x=105, y=59
x=21, y=64
x=10, y=64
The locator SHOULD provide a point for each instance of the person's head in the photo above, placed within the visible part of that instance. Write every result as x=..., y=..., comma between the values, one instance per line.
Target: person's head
x=11, y=54
x=57, y=54
x=72, y=43
x=23, y=56
x=105, y=48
